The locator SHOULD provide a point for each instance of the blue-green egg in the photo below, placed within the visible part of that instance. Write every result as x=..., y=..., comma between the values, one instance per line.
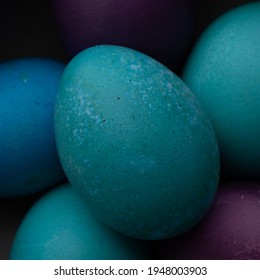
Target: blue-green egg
x=134, y=141
x=28, y=156
x=59, y=226
x=223, y=71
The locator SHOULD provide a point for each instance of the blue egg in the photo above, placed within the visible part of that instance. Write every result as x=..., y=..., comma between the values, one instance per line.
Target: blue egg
x=223, y=71
x=60, y=226
x=133, y=139
x=28, y=157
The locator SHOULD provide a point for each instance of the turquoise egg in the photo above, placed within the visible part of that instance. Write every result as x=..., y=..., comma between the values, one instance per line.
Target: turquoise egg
x=223, y=71
x=134, y=141
x=28, y=156
x=59, y=226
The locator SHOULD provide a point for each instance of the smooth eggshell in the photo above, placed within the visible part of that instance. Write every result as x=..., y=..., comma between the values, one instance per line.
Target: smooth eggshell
x=60, y=227
x=28, y=156
x=223, y=72
x=162, y=29
x=135, y=142
x=230, y=231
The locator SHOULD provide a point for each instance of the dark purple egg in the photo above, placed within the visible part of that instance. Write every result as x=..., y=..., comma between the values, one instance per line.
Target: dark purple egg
x=231, y=229
x=162, y=29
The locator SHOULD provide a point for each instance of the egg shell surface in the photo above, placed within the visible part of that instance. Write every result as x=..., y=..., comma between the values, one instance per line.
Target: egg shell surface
x=230, y=230
x=135, y=142
x=162, y=29
x=28, y=156
x=59, y=226
x=223, y=72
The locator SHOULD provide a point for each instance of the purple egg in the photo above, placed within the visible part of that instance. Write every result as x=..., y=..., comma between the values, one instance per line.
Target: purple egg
x=230, y=231
x=162, y=29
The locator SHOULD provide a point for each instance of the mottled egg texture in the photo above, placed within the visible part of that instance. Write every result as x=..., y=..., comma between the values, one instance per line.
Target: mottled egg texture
x=230, y=230
x=28, y=156
x=135, y=142
x=162, y=29
x=223, y=71
x=60, y=227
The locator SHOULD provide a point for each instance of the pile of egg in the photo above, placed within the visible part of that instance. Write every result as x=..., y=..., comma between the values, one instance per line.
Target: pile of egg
x=136, y=135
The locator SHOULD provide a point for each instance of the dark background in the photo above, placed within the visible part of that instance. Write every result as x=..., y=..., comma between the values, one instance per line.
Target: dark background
x=27, y=30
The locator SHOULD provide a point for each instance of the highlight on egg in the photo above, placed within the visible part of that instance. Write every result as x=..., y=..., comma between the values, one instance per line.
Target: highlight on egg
x=135, y=142
x=29, y=160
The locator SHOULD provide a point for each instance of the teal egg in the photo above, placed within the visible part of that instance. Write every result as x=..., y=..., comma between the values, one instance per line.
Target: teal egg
x=134, y=141
x=59, y=226
x=223, y=71
x=28, y=156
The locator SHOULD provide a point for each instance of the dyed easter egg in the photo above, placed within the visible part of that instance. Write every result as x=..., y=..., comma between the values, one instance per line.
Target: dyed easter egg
x=135, y=142
x=60, y=227
x=223, y=72
x=28, y=156
x=230, y=230
x=162, y=29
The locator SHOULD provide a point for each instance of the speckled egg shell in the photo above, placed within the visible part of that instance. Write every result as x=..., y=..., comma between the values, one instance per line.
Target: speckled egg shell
x=28, y=156
x=223, y=72
x=60, y=227
x=230, y=231
x=134, y=141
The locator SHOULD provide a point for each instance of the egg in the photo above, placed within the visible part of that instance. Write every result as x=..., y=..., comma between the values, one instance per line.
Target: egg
x=162, y=29
x=59, y=226
x=223, y=72
x=134, y=141
x=230, y=230
x=28, y=156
